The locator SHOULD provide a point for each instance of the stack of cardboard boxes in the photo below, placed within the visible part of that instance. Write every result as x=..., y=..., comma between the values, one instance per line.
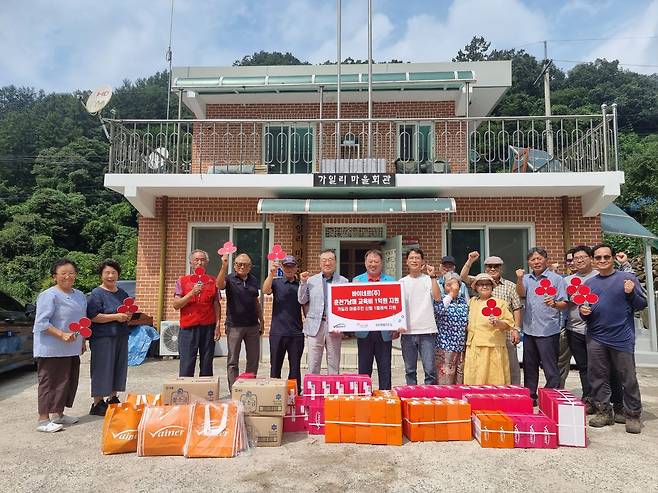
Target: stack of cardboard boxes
x=265, y=403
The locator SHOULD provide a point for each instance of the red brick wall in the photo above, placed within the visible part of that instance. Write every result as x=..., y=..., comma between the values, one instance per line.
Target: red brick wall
x=224, y=143
x=545, y=213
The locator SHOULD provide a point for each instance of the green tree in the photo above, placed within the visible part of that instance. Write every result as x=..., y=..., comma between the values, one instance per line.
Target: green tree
x=475, y=51
x=269, y=58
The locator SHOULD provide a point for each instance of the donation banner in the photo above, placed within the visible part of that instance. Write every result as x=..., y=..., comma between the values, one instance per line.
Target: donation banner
x=367, y=307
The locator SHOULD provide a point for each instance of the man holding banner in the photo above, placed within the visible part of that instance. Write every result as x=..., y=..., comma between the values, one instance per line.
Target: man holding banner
x=375, y=345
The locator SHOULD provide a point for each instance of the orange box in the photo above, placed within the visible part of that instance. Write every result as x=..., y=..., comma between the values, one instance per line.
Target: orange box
x=332, y=413
x=493, y=429
x=393, y=417
x=363, y=414
x=388, y=394
x=429, y=433
x=347, y=408
x=413, y=414
x=378, y=415
x=291, y=391
x=460, y=411
x=441, y=426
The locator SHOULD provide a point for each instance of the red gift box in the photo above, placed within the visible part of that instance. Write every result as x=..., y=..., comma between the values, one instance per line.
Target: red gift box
x=534, y=431
x=546, y=396
x=508, y=403
x=296, y=419
x=315, y=421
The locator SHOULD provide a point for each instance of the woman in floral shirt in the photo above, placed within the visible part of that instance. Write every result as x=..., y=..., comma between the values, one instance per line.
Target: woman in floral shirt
x=451, y=319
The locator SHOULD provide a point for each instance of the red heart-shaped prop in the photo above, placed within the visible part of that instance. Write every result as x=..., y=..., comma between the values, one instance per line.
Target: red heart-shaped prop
x=205, y=278
x=576, y=281
x=271, y=256
x=539, y=290
x=199, y=271
x=579, y=299
x=572, y=289
x=551, y=291
x=85, y=332
x=129, y=301
x=486, y=311
x=123, y=309
x=584, y=289
x=280, y=255
x=496, y=311
x=85, y=322
x=133, y=308
x=544, y=283
x=74, y=327
x=491, y=303
x=276, y=248
x=592, y=298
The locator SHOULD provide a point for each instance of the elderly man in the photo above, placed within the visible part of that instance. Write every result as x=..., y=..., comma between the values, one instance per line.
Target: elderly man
x=375, y=344
x=506, y=291
x=610, y=338
x=541, y=321
x=244, y=316
x=286, y=334
x=314, y=292
x=197, y=299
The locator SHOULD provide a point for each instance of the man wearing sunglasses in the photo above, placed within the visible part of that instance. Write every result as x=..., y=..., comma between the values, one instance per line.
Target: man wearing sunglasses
x=504, y=290
x=611, y=338
x=244, y=316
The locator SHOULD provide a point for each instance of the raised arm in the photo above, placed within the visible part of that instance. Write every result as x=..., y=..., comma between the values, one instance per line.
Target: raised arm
x=520, y=287
x=220, y=282
x=267, y=283
x=472, y=258
x=302, y=292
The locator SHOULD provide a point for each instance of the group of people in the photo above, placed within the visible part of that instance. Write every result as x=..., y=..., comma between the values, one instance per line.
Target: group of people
x=459, y=338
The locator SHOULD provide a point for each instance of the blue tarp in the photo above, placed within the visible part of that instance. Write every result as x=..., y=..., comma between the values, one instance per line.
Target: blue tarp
x=139, y=342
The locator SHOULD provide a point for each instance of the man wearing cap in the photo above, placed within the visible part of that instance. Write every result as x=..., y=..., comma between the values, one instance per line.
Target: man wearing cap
x=541, y=320
x=448, y=265
x=286, y=328
x=504, y=290
x=375, y=345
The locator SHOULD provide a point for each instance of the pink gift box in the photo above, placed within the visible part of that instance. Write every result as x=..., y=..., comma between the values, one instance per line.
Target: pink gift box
x=507, y=403
x=545, y=395
x=296, y=419
x=534, y=431
x=316, y=417
x=316, y=386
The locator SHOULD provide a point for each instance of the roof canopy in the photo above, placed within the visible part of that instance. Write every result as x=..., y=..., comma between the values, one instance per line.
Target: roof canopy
x=356, y=206
x=616, y=221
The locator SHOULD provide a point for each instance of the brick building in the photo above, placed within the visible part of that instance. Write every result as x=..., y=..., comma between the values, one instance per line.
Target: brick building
x=270, y=153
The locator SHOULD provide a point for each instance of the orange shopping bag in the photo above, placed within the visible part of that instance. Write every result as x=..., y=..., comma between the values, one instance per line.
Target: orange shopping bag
x=216, y=430
x=163, y=430
x=120, y=428
x=146, y=399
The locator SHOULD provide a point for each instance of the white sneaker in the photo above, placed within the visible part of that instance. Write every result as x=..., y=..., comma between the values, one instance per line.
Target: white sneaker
x=66, y=420
x=49, y=427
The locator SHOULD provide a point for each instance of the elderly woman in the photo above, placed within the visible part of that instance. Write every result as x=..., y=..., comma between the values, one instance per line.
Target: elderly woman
x=486, y=344
x=57, y=349
x=109, y=338
x=451, y=319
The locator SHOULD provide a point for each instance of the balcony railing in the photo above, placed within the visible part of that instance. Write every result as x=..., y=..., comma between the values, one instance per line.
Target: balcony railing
x=576, y=143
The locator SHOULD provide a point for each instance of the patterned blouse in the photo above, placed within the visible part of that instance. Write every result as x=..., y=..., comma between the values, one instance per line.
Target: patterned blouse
x=451, y=321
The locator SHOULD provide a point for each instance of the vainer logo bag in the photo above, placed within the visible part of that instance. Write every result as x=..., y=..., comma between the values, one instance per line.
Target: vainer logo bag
x=146, y=399
x=163, y=430
x=216, y=430
x=120, y=428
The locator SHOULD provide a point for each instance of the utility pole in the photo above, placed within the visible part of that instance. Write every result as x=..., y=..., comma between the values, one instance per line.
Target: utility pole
x=547, y=101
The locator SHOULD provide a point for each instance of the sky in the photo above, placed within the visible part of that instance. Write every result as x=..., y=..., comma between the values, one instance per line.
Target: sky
x=67, y=45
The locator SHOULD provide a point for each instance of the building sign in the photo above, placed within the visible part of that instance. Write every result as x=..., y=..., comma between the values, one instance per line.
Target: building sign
x=298, y=228
x=367, y=307
x=330, y=180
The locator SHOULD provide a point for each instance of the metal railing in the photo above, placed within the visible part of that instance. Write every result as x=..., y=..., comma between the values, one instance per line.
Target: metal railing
x=575, y=143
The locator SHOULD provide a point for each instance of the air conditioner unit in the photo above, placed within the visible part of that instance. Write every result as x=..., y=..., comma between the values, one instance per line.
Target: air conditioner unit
x=169, y=340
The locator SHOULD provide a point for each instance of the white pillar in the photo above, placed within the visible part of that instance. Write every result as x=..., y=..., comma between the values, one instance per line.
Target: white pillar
x=651, y=296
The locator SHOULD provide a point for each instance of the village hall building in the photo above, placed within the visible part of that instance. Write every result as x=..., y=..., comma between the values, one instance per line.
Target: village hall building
x=283, y=155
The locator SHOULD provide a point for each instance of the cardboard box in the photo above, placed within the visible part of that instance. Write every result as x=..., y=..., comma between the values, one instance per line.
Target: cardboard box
x=261, y=397
x=347, y=408
x=332, y=415
x=493, y=429
x=534, y=431
x=296, y=418
x=316, y=417
x=187, y=390
x=264, y=431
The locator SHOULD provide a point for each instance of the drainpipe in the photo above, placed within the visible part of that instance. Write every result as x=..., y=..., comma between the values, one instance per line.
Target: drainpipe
x=163, y=260
x=449, y=235
x=566, y=223
x=263, y=268
x=651, y=296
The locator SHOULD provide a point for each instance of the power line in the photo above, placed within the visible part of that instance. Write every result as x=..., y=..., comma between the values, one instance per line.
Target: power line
x=620, y=63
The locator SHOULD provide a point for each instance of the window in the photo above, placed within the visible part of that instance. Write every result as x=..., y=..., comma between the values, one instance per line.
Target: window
x=415, y=142
x=246, y=238
x=288, y=148
x=511, y=243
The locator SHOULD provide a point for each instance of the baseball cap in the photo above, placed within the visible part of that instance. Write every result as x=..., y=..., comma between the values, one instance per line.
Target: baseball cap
x=493, y=260
x=289, y=260
x=448, y=259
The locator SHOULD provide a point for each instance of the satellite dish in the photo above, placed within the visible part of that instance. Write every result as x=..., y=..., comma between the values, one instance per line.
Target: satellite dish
x=157, y=158
x=98, y=99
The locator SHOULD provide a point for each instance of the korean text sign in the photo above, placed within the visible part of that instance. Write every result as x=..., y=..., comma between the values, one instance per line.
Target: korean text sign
x=367, y=307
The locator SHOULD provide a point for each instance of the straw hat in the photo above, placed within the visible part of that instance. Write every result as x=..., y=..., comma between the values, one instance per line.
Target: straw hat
x=482, y=277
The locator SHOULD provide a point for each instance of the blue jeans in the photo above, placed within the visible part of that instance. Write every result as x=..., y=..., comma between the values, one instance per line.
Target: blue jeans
x=411, y=346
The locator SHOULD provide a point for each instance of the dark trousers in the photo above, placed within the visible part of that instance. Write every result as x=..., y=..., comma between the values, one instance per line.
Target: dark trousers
x=58, y=383
x=109, y=364
x=544, y=350
x=578, y=348
x=564, y=358
x=604, y=361
x=251, y=337
x=294, y=346
x=373, y=347
x=198, y=339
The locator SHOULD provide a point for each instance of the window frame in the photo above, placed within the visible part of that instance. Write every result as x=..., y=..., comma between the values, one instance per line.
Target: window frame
x=414, y=140
x=291, y=126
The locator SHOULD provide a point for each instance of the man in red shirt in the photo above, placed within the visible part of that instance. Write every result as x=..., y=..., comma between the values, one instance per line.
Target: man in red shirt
x=197, y=298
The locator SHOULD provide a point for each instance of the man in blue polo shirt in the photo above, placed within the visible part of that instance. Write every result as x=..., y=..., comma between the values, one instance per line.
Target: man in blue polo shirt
x=541, y=321
x=375, y=344
x=286, y=328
